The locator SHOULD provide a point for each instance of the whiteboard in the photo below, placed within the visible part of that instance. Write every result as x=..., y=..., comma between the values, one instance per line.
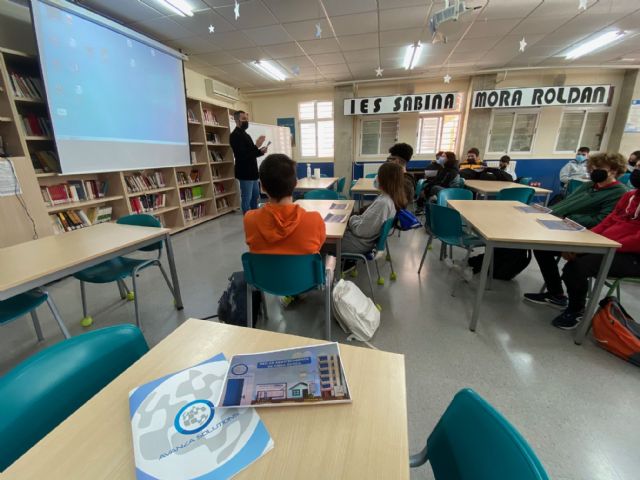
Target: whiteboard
x=280, y=138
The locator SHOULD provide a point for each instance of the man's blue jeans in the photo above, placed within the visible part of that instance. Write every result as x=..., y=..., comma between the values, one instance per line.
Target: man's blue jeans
x=249, y=195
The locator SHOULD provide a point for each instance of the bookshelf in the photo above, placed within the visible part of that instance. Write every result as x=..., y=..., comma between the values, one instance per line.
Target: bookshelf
x=27, y=140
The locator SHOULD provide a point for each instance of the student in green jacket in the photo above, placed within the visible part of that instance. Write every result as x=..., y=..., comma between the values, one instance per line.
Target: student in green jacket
x=588, y=206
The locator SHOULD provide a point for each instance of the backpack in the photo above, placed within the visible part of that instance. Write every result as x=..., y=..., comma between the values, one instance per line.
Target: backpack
x=405, y=220
x=355, y=312
x=507, y=262
x=616, y=331
x=469, y=174
x=232, y=306
x=495, y=174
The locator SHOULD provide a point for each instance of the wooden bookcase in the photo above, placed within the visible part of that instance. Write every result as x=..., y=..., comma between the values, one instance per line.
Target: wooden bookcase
x=213, y=193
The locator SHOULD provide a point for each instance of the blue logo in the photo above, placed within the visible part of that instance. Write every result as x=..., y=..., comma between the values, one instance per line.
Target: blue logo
x=194, y=417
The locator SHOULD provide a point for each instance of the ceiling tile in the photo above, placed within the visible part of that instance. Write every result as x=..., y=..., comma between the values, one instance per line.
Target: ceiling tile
x=323, y=45
x=386, y=4
x=298, y=10
x=347, y=7
x=162, y=28
x=162, y=7
x=244, y=71
x=247, y=54
x=476, y=44
x=199, y=44
x=368, y=55
x=232, y=40
x=399, y=18
x=270, y=35
x=354, y=24
x=307, y=30
x=333, y=69
x=559, y=8
x=491, y=28
x=283, y=50
x=252, y=14
x=293, y=62
x=509, y=9
x=126, y=11
x=327, y=58
x=359, y=42
x=199, y=23
x=546, y=24
x=393, y=38
x=216, y=58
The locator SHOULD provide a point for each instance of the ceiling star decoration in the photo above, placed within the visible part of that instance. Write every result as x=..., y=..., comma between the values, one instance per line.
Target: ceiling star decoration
x=582, y=4
x=318, y=30
x=236, y=10
x=447, y=78
x=523, y=44
x=212, y=29
x=379, y=71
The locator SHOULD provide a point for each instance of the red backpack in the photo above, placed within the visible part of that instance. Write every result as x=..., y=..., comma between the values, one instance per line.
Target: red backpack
x=616, y=331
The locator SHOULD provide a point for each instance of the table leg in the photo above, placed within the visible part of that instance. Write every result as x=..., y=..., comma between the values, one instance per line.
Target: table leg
x=584, y=326
x=547, y=198
x=174, y=273
x=338, y=274
x=484, y=273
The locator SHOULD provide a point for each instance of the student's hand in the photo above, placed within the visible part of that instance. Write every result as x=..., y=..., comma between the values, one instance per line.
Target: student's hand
x=263, y=150
x=260, y=141
x=569, y=256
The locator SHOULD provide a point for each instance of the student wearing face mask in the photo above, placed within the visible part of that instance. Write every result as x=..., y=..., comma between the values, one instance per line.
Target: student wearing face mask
x=576, y=168
x=473, y=160
x=447, y=177
x=588, y=205
x=633, y=160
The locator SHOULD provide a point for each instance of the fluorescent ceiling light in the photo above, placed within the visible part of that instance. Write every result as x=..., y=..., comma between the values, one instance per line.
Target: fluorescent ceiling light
x=411, y=55
x=270, y=69
x=594, y=44
x=180, y=7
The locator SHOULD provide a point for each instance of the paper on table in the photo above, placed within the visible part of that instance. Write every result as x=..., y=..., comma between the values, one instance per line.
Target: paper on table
x=333, y=218
x=9, y=184
x=564, y=224
x=535, y=208
x=338, y=206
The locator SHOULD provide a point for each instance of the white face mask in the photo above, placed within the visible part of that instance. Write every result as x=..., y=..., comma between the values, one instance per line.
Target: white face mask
x=441, y=160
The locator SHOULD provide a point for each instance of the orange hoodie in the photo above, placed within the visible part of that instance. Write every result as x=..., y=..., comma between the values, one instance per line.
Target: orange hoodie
x=284, y=229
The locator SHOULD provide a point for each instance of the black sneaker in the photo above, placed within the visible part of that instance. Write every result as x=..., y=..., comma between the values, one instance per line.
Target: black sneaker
x=567, y=320
x=547, y=299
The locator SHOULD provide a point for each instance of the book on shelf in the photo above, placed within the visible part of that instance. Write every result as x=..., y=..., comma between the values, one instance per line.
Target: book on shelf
x=45, y=161
x=148, y=203
x=140, y=183
x=193, y=177
x=73, y=191
x=215, y=173
x=68, y=220
x=222, y=204
x=191, y=115
x=194, y=212
x=213, y=137
x=37, y=125
x=25, y=86
x=194, y=157
x=215, y=156
x=209, y=117
x=219, y=188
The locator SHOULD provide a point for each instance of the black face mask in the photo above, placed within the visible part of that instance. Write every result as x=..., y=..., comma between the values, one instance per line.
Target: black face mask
x=599, y=175
x=244, y=125
x=635, y=178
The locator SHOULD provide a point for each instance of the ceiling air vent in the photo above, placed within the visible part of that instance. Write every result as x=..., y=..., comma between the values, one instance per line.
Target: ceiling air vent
x=215, y=88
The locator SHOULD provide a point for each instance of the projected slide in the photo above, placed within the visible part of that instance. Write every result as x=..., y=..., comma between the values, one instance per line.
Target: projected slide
x=115, y=103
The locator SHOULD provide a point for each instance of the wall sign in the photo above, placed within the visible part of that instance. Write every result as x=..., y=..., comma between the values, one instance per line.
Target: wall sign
x=543, y=96
x=422, y=102
x=291, y=123
x=633, y=118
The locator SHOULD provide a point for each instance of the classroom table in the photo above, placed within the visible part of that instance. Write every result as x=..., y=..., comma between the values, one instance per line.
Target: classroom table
x=487, y=188
x=38, y=262
x=335, y=230
x=501, y=225
x=308, y=184
x=363, y=439
x=364, y=186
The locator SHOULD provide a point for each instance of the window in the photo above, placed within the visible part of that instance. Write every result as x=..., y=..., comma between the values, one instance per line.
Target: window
x=378, y=135
x=438, y=132
x=580, y=128
x=316, y=128
x=512, y=132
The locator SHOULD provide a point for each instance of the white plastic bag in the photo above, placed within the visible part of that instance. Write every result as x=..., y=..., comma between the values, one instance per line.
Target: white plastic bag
x=356, y=313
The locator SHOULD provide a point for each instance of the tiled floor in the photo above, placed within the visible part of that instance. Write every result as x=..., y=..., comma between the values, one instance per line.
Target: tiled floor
x=577, y=406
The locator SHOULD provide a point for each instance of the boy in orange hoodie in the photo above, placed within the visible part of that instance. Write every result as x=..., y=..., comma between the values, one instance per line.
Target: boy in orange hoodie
x=282, y=227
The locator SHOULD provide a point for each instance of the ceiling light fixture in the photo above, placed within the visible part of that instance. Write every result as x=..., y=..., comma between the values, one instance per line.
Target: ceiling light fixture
x=180, y=7
x=270, y=69
x=594, y=44
x=411, y=55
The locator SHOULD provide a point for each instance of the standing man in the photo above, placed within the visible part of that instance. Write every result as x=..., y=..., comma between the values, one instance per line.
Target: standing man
x=246, y=154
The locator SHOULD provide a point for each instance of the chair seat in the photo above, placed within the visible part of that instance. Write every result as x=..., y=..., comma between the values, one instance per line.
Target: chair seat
x=20, y=305
x=110, y=271
x=468, y=240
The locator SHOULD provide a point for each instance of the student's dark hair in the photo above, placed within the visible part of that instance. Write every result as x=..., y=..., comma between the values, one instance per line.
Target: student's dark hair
x=584, y=149
x=237, y=113
x=439, y=153
x=451, y=161
x=391, y=182
x=278, y=176
x=636, y=154
x=612, y=161
x=474, y=150
x=402, y=150
x=505, y=158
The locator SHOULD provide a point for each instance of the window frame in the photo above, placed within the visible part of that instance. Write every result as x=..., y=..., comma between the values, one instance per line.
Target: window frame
x=315, y=121
x=586, y=111
x=515, y=112
x=439, y=114
x=379, y=120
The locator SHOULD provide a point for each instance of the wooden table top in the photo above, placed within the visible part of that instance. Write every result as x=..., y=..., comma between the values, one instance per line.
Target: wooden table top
x=363, y=439
x=500, y=221
x=29, y=261
x=323, y=207
x=365, y=185
x=315, y=183
x=492, y=187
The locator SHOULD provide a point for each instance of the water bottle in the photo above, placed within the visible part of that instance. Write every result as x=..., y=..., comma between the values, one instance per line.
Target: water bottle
x=308, y=170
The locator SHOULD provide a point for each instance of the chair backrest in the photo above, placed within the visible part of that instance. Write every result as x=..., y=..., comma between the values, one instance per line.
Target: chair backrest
x=322, y=194
x=573, y=185
x=453, y=194
x=420, y=186
x=519, y=194
x=340, y=185
x=370, y=175
x=45, y=389
x=474, y=441
x=143, y=220
x=283, y=275
x=624, y=179
x=446, y=223
x=525, y=180
x=384, y=233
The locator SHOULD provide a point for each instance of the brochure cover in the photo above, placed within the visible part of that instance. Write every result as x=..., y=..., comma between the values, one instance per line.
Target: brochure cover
x=334, y=218
x=309, y=375
x=564, y=224
x=534, y=208
x=179, y=434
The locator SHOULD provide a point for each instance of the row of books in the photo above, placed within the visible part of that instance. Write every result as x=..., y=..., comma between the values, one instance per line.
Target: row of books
x=191, y=115
x=218, y=188
x=26, y=86
x=213, y=138
x=184, y=179
x=37, y=125
x=190, y=194
x=45, y=161
x=73, y=219
x=192, y=213
x=210, y=117
x=140, y=183
x=222, y=203
x=215, y=156
x=148, y=203
x=215, y=172
x=73, y=191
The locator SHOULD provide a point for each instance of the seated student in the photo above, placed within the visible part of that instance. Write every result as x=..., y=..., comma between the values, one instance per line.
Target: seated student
x=282, y=227
x=401, y=154
x=623, y=226
x=473, y=160
x=576, y=168
x=363, y=230
x=505, y=160
x=445, y=178
x=588, y=205
x=633, y=159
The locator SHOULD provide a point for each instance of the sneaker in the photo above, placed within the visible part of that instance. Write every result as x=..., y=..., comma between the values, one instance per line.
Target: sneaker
x=547, y=299
x=287, y=301
x=348, y=266
x=567, y=320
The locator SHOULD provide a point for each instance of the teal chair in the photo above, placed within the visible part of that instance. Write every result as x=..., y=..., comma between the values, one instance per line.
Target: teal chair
x=340, y=187
x=322, y=194
x=446, y=226
x=624, y=179
x=518, y=194
x=117, y=269
x=420, y=186
x=287, y=275
x=473, y=441
x=453, y=194
x=573, y=185
x=371, y=175
x=45, y=389
x=18, y=306
x=382, y=245
x=525, y=180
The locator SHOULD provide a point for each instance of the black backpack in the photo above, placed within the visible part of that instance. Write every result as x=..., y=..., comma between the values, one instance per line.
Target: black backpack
x=232, y=306
x=495, y=174
x=507, y=262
